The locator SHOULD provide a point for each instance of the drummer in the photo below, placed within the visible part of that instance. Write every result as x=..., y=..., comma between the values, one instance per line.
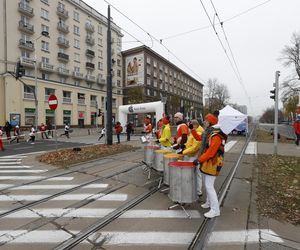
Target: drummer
x=191, y=150
x=148, y=126
x=182, y=132
x=165, y=139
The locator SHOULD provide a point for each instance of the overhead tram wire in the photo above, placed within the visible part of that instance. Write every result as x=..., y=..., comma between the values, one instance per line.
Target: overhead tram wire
x=233, y=57
x=209, y=26
x=157, y=40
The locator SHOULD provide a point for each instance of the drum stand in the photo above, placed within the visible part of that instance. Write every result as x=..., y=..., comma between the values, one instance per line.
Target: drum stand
x=147, y=169
x=178, y=204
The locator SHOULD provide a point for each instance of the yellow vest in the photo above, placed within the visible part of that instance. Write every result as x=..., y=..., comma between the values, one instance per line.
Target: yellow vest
x=192, y=145
x=166, y=136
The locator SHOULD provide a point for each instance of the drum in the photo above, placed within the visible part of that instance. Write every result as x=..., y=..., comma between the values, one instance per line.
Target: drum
x=167, y=159
x=149, y=154
x=182, y=182
x=159, y=159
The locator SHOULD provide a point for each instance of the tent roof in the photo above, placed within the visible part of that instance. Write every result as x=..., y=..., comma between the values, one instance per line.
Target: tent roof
x=230, y=111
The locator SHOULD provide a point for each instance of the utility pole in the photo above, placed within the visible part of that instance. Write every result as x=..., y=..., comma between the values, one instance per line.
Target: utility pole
x=276, y=86
x=109, y=137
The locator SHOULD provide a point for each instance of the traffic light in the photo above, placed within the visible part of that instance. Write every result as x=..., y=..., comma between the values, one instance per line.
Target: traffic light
x=274, y=94
x=100, y=112
x=20, y=70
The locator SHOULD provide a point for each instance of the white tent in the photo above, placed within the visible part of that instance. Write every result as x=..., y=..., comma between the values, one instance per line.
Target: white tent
x=230, y=118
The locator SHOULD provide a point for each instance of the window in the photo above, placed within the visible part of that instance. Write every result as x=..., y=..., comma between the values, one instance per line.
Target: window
x=77, y=83
x=76, y=16
x=99, y=41
x=45, y=60
x=76, y=30
x=100, y=29
x=25, y=37
x=118, y=62
x=76, y=69
x=45, y=46
x=62, y=80
x=100, y=53
x=76, y=44
x=76, y=57
x=118, y=83
x=45, y=28
x=49, y=91
x=119, y=73
x=45, y=76
x=25, y=53
x=66, y=94
x=44, y=14
x=100, y=65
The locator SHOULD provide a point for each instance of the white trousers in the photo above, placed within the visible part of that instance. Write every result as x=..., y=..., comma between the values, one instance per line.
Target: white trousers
x=212, y=198
x=197, y=173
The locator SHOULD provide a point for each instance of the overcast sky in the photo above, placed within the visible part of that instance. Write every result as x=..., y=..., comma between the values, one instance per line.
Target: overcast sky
x=256, y=39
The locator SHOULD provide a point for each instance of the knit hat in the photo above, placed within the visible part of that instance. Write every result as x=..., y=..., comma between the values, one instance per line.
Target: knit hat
x=211, y=119
x=179, y=115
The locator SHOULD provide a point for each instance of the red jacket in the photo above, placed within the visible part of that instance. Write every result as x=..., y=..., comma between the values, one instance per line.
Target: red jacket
x=297, y=127
x=118, y=129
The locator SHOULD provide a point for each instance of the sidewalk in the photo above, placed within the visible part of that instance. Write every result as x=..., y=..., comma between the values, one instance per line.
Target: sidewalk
x=240, y=226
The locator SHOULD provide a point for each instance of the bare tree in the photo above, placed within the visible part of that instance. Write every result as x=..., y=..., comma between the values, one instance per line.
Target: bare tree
x=290, y=56
x=217, y=95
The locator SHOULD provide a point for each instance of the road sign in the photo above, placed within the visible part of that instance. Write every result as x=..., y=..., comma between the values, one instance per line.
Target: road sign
x=52, y=101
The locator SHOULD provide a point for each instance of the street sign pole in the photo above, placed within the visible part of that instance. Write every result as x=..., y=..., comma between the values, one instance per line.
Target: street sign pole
x=53, y=102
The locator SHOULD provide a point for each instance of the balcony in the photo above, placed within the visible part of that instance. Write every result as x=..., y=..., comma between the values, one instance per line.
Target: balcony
x=77, y=75
x=61, y=12
x=26, y=27
x=63, y=42
x=101, y=80
x=25, y=9
x=28, y=95
x=28, y=45
x=63, y=27
x=90, y=78
x=90, y=53
x=27, y=62
x=90, y=40
x=63, y=71
x=67, y=100
x=90, y=65
x=81, y=101
x=89, y=27
x=93, y=103
x=46, y=67
x=62, y=57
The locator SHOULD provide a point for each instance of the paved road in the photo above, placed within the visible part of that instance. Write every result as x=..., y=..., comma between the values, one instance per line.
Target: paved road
x=283, y=129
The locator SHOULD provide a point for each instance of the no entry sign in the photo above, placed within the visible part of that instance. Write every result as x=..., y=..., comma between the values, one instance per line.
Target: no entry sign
x=52, y=101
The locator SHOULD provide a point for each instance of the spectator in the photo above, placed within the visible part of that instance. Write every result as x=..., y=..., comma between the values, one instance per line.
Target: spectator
x=129, y=130
x=297, y=130
x=7, y=129
x=32, y=135
x=1, y=142
x=43, y=129
x=16, y=134
x=118, y=129
x=50, y=129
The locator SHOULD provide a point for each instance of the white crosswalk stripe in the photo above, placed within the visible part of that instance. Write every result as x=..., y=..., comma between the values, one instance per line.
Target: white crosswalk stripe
x=50, y=187
x=35, y=177
x=251, y=148
x=229, y=145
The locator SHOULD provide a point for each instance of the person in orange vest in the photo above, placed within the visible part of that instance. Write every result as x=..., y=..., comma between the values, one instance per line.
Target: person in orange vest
x=159, y=129
x=182, y=132
x=118, y=129
x=148, y=126
x=1, y=142
x=211, y=162
x=297, y=130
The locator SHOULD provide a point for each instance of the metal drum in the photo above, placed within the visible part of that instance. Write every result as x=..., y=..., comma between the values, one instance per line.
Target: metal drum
x=159, y=159
x=182, y=182
x=167, y=159
x=149, y=154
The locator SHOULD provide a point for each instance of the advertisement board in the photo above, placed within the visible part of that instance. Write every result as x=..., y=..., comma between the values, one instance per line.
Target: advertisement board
x=134, y=70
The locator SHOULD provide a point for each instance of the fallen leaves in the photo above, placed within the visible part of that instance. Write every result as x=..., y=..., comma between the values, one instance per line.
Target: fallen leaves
x=279, y=188
x=67, y=157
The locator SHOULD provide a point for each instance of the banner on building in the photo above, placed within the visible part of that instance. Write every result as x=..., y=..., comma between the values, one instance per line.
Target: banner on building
x=134, y=70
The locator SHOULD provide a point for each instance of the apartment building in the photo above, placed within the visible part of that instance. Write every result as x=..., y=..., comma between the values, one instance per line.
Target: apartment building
x=150, y=77
x=63, y=46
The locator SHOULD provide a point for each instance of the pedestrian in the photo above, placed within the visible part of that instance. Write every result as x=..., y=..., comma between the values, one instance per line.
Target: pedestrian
x=118, y=129
x=211, y=162
x=128, y=130
x=7, y=129
x=50, y=127
x=66, y=131
x=182, y=132
x=1, y=142
x=165, y=138
x=43, y=129
x=103, y=132
x=297, y=129
x=191, y=151
x=32, y=135
x=17, y=133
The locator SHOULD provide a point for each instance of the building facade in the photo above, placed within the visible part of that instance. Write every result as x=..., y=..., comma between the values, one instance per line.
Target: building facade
x=63, y=46
x=149, y=77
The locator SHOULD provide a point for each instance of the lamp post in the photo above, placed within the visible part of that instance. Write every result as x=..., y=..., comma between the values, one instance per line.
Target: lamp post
x=46, y=34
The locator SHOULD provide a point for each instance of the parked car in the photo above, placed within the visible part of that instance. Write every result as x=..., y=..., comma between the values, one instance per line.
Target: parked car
x=241, y=129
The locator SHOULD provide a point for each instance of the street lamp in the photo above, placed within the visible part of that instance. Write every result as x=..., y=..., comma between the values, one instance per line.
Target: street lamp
x=46, y=34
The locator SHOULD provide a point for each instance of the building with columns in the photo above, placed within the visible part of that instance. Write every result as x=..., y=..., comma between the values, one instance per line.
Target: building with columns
x=71, y=62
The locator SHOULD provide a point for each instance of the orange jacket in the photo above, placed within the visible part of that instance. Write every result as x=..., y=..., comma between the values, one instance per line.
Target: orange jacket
x=118, y=129
x=148, y=128
x=214, y=146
